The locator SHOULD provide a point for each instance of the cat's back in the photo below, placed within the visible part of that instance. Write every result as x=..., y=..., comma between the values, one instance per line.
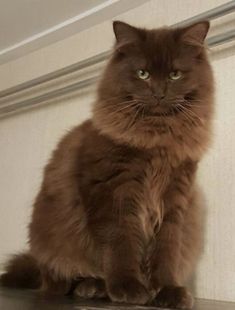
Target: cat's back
x=58, y=213
x=63, y=162
x=72, y=140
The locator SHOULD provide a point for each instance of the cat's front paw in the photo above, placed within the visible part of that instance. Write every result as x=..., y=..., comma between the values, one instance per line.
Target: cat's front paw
x=174, y=297
x=90, y=288
x=128, y=290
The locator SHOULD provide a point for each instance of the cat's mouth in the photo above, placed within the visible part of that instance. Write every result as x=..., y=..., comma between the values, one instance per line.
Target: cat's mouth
x=152, y=108
x=163, y=112
x=172, y=112
x=168, y=108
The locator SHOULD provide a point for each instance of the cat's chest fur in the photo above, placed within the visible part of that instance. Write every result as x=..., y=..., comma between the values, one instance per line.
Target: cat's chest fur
x=156, y=177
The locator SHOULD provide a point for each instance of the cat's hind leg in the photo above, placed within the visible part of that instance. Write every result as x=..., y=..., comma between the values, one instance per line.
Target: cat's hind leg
x=53, y=284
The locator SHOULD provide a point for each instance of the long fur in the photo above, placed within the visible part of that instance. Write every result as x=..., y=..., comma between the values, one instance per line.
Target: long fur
x=118, y=206
x=21, y=271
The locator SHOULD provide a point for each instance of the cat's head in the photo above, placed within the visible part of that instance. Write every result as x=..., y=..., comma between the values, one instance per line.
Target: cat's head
x=157, y=83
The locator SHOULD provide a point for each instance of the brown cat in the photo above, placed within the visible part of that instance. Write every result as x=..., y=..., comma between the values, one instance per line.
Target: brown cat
x=118, y=210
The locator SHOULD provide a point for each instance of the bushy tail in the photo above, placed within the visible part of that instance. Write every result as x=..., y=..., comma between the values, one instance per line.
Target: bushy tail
x=21, y=271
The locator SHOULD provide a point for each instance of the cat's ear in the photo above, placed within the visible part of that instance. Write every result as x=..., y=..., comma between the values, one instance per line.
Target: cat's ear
x=125, y=33
x=195, y=34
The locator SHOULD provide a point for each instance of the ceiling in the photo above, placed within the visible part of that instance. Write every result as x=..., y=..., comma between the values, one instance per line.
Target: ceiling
x=20, y=19
x=30, y=24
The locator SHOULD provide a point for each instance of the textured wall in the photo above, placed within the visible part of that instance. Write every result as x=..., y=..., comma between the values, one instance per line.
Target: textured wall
x=27, y=139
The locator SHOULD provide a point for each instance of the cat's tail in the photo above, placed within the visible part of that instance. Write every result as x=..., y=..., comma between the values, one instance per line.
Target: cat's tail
x=21, y=271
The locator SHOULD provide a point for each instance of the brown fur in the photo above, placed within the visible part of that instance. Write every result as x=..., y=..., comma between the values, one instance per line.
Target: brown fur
x=119, y=202
x=23, y=272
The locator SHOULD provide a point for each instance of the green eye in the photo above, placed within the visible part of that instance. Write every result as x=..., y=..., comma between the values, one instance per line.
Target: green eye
x=175, y=75
x=143, y=74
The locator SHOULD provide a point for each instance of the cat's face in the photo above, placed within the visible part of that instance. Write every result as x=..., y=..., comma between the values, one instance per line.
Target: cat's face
x=156, y=76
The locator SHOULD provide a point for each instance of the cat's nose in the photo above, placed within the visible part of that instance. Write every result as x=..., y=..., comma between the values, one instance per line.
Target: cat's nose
x=158, y=96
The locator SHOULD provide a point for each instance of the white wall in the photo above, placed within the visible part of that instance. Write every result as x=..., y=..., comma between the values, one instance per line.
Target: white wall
x=27, y=139
x=216, y=276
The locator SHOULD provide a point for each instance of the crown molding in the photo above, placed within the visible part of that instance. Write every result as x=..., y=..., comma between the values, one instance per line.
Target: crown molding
x=69, y=27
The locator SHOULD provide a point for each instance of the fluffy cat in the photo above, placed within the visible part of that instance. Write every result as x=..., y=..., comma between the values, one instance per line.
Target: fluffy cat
x=118, y=212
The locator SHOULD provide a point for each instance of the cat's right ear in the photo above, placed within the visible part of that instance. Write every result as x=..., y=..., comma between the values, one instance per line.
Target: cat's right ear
x=195, y=34
x=125, y=34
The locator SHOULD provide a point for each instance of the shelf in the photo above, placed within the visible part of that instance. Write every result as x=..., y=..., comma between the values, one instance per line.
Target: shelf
x=28, y=300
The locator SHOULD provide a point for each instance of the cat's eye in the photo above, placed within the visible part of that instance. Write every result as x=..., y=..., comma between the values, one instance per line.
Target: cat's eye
x=143, y=74
x=175, y=75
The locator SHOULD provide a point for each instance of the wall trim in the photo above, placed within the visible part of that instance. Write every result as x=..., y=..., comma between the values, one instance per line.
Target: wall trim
x=84, y=73
x=76, y=24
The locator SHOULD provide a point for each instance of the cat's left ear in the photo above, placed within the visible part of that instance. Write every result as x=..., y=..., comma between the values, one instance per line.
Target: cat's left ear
x=125, y=33
x=195, y=34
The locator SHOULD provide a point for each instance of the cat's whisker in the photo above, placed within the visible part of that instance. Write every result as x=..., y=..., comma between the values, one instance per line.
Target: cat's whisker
x=131, y=103
x=192, y=104
x=191, y=118
x=117, y=100
x=185, y=111
x=191, y=107
x=118, y=97
x=192, y=113
x=123, y=102
x=132, y=122
x=134, y=104
x=143, y=112
x=120, y=102
x=180, y=108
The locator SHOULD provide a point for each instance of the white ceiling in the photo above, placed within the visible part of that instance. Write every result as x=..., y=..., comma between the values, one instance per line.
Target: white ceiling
x=26, y=25
x=21, y=19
